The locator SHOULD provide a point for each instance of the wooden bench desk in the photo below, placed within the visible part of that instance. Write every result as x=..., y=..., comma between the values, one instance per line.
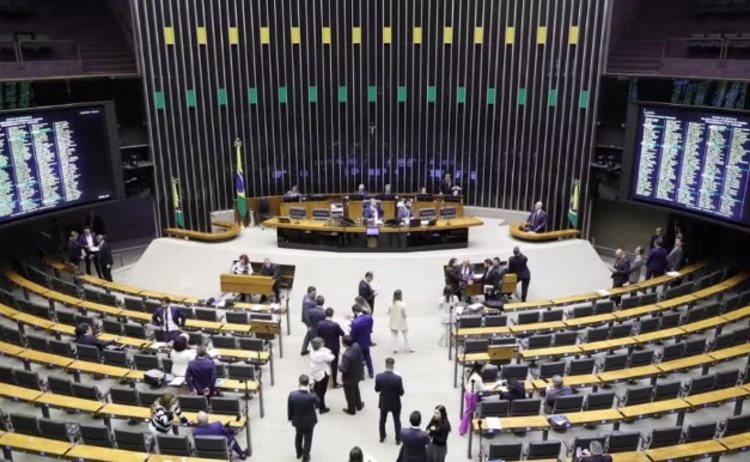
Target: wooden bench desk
x=577, y=323
x=736, y=442
x=123, y=411
x=728, y=354
x=82, y=452
x=231, y=328
x=16, y=393
x=283, y=309
x=492, y=331
x=656, y=408
x=735, y=280
x=98, y=370
x=737, y=315
x=8, y=349
x=573, y=381
x=156, y=295
x=7, y=312
x=550, y=352
x=677, y=301
x=131, y=342
x=699, y=449
x=67, y=403
x=572, y=299
x=25, y=284
x=116, y=286
x=664, y=334
x=100, y=308
x=138, y=316
x=523, y=306
x=35, y=445
x=253, y=357
x=208, y=326
x=711, y=291
x=704, y=325
x=601, y=417
x=63, y=329
x=726, y=395
x=637, y=312
x=34, y=321
x=537, y=327
x=165, y=458
x=686, y=363
x=606, y=345
x=507, y=424
x=45, y=359
x=64, y=299
x=633, y=373
x=517, y=232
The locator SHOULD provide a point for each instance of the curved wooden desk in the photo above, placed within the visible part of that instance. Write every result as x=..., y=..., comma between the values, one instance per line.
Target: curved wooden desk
x=231, y=230
x=521, y=235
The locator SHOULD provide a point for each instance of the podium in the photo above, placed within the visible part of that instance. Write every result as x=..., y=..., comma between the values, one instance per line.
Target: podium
x=246, y=284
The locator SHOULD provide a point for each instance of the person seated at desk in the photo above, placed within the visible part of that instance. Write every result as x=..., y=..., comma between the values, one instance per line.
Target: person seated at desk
x=294, y=192
x=85, y=336
x=181, y=355
x=200, y=375
x=387, y=191
x=272, y=270
x=514, y=390
x=595, y=453
x=405, y=211
x=242, y=266
x=374, y=212
x=361, y=190
x=447, y=187
x=537, y=222
x=557, y=389
x=206, y=428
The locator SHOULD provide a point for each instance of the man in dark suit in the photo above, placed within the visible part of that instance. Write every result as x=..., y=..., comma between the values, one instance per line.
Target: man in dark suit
x=676, y=256
x=316, y=314
x=373, y=211
x=272, y=270
x=352, y=372
x=446, y=185
x=518, y=265
x=308, y=302
x=620, y=271
x=658, y=235
x=405, y=211
x=90, y=246
x=537, y=221
x=74, y=250
x=415, y=441
x=391, y=389
x=656, y=263
x=361, y=334
x=170, y=318
x=388, y=191
x=366, y=291
x=105, y=258
x=495, y=279
x=331, y=333
x=301, y=413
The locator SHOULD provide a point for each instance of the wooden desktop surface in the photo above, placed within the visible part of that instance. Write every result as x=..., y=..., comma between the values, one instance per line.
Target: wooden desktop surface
x=96, y=454
x=683, y=451
x=36, y=445
x=323, y=226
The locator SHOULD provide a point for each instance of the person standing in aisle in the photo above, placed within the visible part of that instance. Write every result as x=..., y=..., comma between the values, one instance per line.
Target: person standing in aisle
x=301, y=406
x=320, y=363
x=438, y=428
x=361, y=333
x=352, y=372
x=397, y=321
x=390, y=388
x=308, y=302
x=367, y=292
x=518, y=265
x=331, y=333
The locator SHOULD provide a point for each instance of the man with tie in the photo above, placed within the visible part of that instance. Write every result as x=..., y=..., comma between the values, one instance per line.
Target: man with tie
x=352, y=373
x=361, y=333
x=74, y=250
x=405, y=211
x=415, y=440
x=308, y=302
x=494, y=279
x=105, y=258
x=315, y=315
x=374, y=211
x=90, y=245
x=170, y=318
x=331, y=333
x=300, y=409
x=446, y=185
x=272, y=270
x=390, y=388
x=518, y=265
x=537, y=222
x=620, y=272
x=656, y=263
x=366, y=291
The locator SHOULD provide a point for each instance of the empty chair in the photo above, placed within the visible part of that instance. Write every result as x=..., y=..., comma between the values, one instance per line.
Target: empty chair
x=147, y=398
x=516, y=371
x=648, y=325
x=670, y=320
x=527, y=318
x=12, y=335
x=476, y=346
x=6, y=375
x=581, y=311
x=150, y=306
x=636, y=395
x=695, y=314
x=630, y=302
x=641, y=358
x=211, y=447
x=88, y=353
x=252, y=344
x=565, y=339
x=83, y=319
x=96, y=435
x=649, y=299
x=736, y=425
x=226, y=406
x=667, y=390
x=496, y=320
x=66, y=317
x=204, y=314
x=599, y=401
x=91, y=295
x=174, y=445
x=146, y=362
x=713, y=309
x=699, y=432
x=115, y=358
x=552, y=315
x=124, y=395
x=525, y=407
x=135, y=331
x=71, y=289
x=131, y=440
x=237, y=317
x=24, y=424
x=60, y=386
x=493, y=408
x=537, y=341
x=59, y=430
x=261, y=316
x=597, y=334
x=549, y=370
x=193, y=403
x=623, y=442
x=28, y=379
x=672, y=352
x=58, y=285
x=742, y=335
x=36, y=342
x=604, y=307
x=133, y=304
x=722, y=341
x=108, y=299
x=112, y=326
x=730, y=303
x=583, y=366
x=84, y=391
x=224, y=341
x=468, y=321
x=702, y=384
x=241, y=371
x=726, y=379
x=663, y=437
x=616, y=362
x=490, y=373
x=565, y=404
x=621, y=331
x=543, y=450
x=505, y=451
x=695, y=347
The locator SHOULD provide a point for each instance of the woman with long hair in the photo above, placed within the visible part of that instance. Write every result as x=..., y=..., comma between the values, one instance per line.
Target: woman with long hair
x=447, y=305
x=473, y=386
x=397, y=321
x=453, y=277
x=438, y=428
x=163, y=412
x=363, y=303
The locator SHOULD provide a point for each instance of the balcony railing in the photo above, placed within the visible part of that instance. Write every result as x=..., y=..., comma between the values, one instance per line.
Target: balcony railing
x=712, y=48
x=24, y=52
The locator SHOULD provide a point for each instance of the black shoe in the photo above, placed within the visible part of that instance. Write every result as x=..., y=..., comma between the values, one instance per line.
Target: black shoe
x=350, y=412
x=304, y=353
x=398, y=441
x=306, y=459
x=361, y=406
x=382, y=438
x=324, y=410
x=299, y=456
x=338, y=385
x=373, y=344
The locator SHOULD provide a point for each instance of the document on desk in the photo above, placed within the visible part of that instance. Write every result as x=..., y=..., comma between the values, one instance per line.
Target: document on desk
x=602, y=292
x=493, y=423
x=158, y=345
x=213, y=353
x=274, y=307
x=177, y=382
x=673, y=274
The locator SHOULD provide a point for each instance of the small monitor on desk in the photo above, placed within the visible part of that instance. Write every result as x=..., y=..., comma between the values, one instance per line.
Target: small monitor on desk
x=425, y=197
x=448, y=212
x=373, y=231
x=315, y=197
x=297, y=213
x=321, y=214
x=291, y=199
x=415, y=223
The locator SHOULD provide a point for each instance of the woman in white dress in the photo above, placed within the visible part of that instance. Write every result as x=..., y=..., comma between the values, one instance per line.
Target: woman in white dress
x=181, y=355
x=397, y=321
x=447, y=305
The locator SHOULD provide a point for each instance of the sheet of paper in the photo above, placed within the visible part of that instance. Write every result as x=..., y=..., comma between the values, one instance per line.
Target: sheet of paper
x=177, y=382
x=493, y=423
x=673, y=274
x=212, y=352
x=158, y=345
x=275, y=306
x=219, y=382
x=602, y=292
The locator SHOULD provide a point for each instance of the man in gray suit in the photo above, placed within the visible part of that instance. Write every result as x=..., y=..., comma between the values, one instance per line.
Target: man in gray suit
x=308, y=302
x=676, y=257
x=620, y=272
x=636, y=265
x=557, y=389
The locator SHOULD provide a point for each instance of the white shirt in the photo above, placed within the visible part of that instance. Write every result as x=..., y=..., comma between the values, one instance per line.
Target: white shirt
x=239, y=268
x=180, y=360
x=478, y=383
x=449, y=316
x=320, y=361
x=375, y=213
x=89, y=240
x=169, y=324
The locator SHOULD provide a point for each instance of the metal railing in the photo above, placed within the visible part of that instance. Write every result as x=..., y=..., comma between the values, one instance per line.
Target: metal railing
x=45, y=50
x=723, y=46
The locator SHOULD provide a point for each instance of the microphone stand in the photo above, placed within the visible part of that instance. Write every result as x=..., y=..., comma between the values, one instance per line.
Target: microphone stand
x=448, y=336
x=247, y=421
x=481, y=444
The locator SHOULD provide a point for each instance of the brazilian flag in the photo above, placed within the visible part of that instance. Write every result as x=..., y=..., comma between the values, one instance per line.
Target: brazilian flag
x=240, y=182
x=573, y=205
x=179, y=218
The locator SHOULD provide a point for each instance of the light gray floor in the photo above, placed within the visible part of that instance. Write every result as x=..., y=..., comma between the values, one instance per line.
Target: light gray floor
x=427, y=372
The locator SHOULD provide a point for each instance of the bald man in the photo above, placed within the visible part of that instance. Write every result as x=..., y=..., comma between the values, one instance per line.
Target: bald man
x=537, y=222
x=206, y=428
x=620, y=271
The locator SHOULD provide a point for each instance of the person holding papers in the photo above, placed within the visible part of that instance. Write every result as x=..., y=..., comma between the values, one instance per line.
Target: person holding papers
x=405, y=211
x=374, y=212
x=90, y=245
x=201, y=374
x=367, y=291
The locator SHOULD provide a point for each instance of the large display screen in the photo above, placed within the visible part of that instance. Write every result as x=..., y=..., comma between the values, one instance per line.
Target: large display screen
x=53, y=158
x=693, y=159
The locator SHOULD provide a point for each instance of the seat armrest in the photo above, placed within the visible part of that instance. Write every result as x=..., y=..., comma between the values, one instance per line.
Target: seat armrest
x=620, y=399
x=568, y=448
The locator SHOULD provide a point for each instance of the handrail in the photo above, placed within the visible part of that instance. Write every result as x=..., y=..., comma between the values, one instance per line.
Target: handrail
x=722, y=46
x=75, y=43
x=15, y=48
x=729, y=41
